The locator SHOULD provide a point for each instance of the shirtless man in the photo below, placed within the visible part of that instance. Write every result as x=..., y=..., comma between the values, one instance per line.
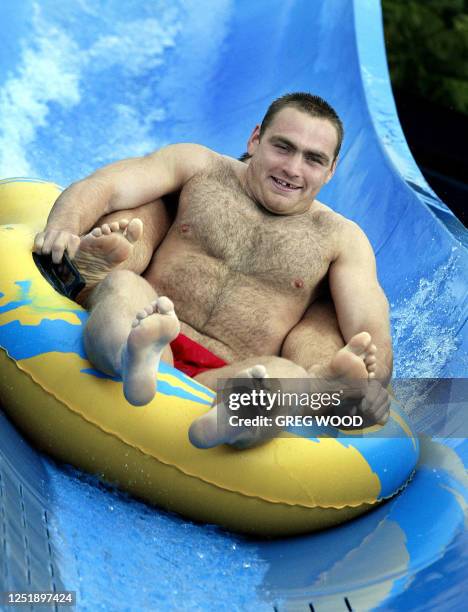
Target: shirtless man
x=241, y=271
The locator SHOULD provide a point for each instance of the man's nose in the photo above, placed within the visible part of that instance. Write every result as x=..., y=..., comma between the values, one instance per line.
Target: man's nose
x=292, y=165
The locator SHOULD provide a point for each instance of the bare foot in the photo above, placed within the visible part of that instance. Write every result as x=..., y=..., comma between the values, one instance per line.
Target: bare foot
x=352, y=371
x=347, y=370
x=213, y=428
x=371, y=360
x=152, y=330
x=104, y=248
x=350, y=361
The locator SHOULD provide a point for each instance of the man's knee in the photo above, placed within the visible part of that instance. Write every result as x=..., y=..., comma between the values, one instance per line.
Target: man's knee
x=121, y=277
x=317, y=333
x=119, y=282
x=117, y=279
x=280, y=367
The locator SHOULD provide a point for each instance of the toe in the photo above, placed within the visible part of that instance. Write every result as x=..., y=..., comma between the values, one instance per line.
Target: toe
x=134, y=230
x=142, y=314
x=106, y=230
x=123, y=223
x=258, y=371
x=205, y=431
x=164, y=305
x=359, y=343
x=114, y=226
x=382, y=415
x=370, y=360
x=96, y=232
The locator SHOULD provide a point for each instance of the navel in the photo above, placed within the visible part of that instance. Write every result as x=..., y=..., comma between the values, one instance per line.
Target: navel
x=298, y=283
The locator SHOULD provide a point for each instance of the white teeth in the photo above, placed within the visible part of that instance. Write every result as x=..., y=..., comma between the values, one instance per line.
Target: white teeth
x=284, y=183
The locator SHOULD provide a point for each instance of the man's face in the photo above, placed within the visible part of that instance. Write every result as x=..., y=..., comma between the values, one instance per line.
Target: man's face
x=291, y=162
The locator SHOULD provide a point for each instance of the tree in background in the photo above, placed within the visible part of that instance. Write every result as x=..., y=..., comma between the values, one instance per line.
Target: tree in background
x=427, y=49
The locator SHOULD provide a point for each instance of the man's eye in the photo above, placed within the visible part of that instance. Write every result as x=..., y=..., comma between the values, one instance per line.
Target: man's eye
x=281, y=146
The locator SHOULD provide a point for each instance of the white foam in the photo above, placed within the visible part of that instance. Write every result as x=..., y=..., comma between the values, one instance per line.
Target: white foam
x=101, y=84
x=423, y=342
x=49, y=72
x=126, y=120
x=137, y=46
x=54, y=69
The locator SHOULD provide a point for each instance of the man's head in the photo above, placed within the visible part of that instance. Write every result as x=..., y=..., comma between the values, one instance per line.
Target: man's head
x=309, y=104
x=293, y=153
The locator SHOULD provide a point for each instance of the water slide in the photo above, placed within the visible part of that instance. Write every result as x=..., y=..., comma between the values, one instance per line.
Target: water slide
x=85, y=83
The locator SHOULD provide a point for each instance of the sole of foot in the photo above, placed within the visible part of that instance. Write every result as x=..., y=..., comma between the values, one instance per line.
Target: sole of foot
x=152, y=330
x=350, y=361
x=110, y=244
x=103, y=249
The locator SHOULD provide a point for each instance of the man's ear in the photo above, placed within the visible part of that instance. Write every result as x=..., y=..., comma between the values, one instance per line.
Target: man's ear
x=254, y=140
x=332, y=170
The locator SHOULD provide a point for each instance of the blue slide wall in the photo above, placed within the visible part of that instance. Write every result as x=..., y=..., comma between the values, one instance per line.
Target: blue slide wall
x=85, y=83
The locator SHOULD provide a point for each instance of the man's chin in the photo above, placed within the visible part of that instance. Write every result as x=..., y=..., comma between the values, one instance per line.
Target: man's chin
x=280, y=211
x=285, y=206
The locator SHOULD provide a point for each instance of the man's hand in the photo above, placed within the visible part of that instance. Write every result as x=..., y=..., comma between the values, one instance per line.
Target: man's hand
x=366, y=397
x=375, y=406
x=55, y=242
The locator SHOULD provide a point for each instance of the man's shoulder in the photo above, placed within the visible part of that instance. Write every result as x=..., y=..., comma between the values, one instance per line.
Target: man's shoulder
x=190, y=152
x=345, y=225
x=185, y=153
x=324, y=215
x=206, y=160
x=185, y=159
x=221, y=168
x=346, y=235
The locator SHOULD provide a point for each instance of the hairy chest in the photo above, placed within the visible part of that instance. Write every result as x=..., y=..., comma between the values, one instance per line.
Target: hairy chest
x=286, y=253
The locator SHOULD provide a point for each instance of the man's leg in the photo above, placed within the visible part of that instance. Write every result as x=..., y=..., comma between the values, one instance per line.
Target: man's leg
x=128, y=332
x=313, y=344
x=313, y=351
x=315, y=341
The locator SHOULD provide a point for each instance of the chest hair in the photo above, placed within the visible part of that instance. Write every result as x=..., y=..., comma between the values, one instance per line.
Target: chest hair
x=217, y=215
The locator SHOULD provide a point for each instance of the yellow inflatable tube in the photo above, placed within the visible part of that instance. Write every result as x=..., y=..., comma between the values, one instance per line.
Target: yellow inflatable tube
x=52, y=393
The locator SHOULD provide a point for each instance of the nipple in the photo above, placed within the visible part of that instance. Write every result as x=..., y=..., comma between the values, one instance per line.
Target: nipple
x=184, y=227
x=299, y=283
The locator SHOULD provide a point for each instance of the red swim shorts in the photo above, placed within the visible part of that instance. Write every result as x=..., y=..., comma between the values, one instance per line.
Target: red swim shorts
x=192, y=358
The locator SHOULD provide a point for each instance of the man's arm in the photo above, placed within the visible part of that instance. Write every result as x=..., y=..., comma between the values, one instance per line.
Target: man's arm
x=360, y=305
x=360, y=302
x=123, y=185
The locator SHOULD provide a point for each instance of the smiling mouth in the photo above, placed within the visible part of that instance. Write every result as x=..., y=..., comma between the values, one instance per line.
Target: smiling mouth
x=284, y=185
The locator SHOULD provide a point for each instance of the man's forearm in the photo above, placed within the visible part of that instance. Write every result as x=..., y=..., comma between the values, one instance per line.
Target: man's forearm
x=78, y=207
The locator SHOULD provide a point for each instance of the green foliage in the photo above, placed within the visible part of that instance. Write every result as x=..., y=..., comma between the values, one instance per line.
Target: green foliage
x=427, y=49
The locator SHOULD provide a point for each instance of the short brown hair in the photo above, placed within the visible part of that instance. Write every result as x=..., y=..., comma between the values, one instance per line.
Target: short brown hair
x=315, y=106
